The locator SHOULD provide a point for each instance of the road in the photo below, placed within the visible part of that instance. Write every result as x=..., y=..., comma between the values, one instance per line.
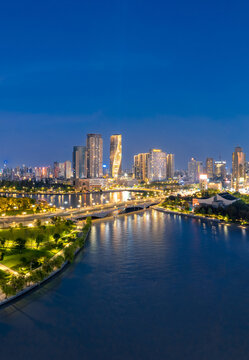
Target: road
x=74, y=213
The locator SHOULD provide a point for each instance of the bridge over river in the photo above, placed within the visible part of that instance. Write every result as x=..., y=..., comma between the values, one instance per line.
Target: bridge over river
x=95, y=211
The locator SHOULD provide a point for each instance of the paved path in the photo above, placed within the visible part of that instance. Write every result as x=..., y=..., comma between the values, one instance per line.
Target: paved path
x=6, y=268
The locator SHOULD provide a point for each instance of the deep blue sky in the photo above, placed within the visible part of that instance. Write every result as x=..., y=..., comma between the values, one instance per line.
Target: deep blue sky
x=169, y=74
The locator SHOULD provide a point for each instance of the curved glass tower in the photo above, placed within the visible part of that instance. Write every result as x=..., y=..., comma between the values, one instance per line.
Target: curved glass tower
x=115, y=155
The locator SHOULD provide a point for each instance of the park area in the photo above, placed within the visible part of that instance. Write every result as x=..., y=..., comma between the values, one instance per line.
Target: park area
x=29, y=254
x=12, y=206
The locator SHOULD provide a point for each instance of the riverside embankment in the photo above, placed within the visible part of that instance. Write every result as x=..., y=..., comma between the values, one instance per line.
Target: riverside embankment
x=33, y=285
x=147, y=286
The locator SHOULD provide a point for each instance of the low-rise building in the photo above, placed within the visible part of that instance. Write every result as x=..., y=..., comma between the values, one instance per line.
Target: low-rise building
x=89, y=184
x=218, y=200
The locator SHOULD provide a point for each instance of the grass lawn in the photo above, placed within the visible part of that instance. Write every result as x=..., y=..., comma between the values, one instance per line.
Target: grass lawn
x=14, y=261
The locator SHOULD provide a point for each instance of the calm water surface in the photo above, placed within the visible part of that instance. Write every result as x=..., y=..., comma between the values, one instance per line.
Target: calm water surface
x=78, y=200
x=147, y=286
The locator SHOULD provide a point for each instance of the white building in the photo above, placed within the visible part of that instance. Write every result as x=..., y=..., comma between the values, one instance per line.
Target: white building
x=157, y=165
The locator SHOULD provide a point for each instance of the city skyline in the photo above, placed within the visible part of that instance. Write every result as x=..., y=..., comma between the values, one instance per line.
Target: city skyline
x=159, y=82
x=128, y=164
x=124, y=179
x=129, y=142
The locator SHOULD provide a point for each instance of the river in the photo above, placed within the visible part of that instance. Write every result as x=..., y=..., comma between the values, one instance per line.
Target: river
x=147, y=286
x=77, y=200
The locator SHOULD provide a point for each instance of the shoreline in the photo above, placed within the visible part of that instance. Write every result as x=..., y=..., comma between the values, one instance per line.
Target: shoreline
x=34, y=287
x=198, y=217
x=167, y=211
x=30, y=289
x=69, y=193
x=50, y=277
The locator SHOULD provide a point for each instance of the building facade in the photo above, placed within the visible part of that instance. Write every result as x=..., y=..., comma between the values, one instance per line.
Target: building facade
x=210, y=168
x=68, y=169
x=170, y=166
x=195, y=169
x=115, y=155
x=157, y=165
x=79, y=162
x=220, y=170
x=238, y=169
x=94, y=156
x=141, y=166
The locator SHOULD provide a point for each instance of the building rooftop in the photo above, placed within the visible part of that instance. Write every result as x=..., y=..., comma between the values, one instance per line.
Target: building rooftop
x=227, y=196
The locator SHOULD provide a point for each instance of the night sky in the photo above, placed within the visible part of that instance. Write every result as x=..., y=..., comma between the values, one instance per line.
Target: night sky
x=167, y=74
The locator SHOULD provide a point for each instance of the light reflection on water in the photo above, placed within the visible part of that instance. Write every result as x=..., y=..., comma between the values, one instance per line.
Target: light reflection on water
x=148, y=286
x=74, y=200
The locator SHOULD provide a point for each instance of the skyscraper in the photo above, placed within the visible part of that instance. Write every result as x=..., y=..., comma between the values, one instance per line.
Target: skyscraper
x=170, y=166
x=61, y=170
x=238, y=168
x=157, y=165
x=94, y=156
x=210, y=167
x=68, y=169
x=79, y=162
x=220, y=169
x=141, y=166
x=56, y=169
x=195, y=169
x=115, y=155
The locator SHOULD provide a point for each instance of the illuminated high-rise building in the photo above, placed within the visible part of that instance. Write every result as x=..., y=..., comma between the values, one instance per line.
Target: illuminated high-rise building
x=220, y=170
x=195, y=169
x=61, y=170
x=141, y=166
x=68, y=169
x=56, y=169
x=170, y=166
x=79, y=162
x=94, y=156
x=210, y=168
x=157, y=165
x=238, y=169
x=115, y=155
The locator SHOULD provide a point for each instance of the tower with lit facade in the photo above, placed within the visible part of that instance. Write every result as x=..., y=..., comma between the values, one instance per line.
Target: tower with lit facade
x=115, y=155
x=141, y=166
x=220, y=170
x=238, y=169
x=157, y=165
x=210, y=168
x=94, y=156
x=79, y=162
x=170, y=166
x=195, y=169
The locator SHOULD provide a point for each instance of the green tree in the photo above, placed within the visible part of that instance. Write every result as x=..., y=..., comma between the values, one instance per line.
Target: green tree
x=89, y=220
x=3, y=241
x=58, y=261
x=210, y=211
x=38, y=222
x=39, y=239
x=20, y=243
x=56, y=237
x=18, y=282
x=69, y=253
x=7, y=289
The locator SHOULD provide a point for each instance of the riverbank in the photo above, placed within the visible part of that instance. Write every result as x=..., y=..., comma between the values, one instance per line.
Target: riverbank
x=7, y=301
x=70, y=192
x=199, y=217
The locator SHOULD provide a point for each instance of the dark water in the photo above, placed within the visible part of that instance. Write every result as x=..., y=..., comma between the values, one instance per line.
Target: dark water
x=78, y=200
x=147, y=286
